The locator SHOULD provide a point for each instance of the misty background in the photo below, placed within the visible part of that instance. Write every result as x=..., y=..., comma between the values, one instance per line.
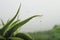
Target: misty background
x=50, y=9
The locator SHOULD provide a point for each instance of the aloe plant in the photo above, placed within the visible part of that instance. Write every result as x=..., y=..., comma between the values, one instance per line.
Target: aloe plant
x=8, y=29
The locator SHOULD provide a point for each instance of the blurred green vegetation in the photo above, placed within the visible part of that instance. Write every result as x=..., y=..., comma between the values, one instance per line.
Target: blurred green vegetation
x=53, y=34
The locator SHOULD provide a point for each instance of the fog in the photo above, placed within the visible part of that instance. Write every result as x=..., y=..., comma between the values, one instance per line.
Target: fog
x=50, y=9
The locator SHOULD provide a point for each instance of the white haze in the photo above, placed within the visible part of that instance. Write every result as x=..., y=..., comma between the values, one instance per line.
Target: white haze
x=50, y=9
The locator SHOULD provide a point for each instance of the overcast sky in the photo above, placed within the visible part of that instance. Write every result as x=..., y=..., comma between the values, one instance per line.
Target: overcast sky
x=50, y=9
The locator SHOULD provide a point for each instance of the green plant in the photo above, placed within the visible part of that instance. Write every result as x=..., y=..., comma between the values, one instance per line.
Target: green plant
x=8, y=29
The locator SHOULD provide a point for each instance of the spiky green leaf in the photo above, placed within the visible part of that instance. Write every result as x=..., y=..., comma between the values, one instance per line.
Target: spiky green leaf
x=23, y=36
x=14, y=23
x=15, y=27
x=2, y=22
x=7, y=25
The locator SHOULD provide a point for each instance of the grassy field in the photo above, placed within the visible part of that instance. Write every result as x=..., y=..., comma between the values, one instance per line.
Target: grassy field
x=53, y=34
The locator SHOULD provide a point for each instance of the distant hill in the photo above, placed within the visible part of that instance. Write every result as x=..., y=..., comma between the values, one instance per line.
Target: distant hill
x=53, y=34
